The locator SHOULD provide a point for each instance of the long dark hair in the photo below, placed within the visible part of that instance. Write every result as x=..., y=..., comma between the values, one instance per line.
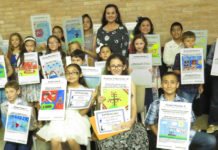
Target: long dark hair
x=90, y=19
x=59, y=27
x=139, y=22
x=118, y=20
x=121, y=58
x=139, y=36
x=81, y=79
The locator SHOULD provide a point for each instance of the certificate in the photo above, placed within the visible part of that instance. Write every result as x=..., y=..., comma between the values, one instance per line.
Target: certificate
x=140, y=65
x=201, y=40
x=3, y=73
x=17, y=124
x=214, y=69
x=154, y=48
x=52, y=66
x=101, y=65
x=41, y=27
x=117, y=93
x=29, y=73
x=192, y=66
x=92, y=76
x=52, y=102
x=174, y=125
x=79, y=98
x=108, y=121
x=73, y=30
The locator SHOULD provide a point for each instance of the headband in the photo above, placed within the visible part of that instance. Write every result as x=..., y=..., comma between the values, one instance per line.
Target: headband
x=29, y=39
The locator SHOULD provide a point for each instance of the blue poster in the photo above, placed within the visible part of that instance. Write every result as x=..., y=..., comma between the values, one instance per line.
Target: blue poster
x=17, y=123
x=191, y=63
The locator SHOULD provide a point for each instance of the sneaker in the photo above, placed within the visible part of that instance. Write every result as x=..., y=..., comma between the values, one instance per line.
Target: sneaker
x=212, y=128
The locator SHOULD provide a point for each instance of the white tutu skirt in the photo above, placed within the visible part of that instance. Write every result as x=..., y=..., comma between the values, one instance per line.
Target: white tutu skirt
x=74, y=126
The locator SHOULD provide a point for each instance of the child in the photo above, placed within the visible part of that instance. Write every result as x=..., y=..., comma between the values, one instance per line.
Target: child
x=136, y=135
x=75, y=129
x=73, y=46
x=58, y=31
x=12, y=91
x=169, y=85
x=174, y=46
x=105, y=53
x=14, y=49
x=188, y=91
x=78, y=57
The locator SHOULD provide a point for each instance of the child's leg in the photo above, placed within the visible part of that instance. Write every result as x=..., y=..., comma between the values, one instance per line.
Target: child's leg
x=73, y=144
x=10, y=146
x=56, y=144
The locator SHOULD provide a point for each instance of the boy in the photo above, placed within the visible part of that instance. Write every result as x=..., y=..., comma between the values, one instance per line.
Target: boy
x=78, y=57
x=169, y=85
x=188, y=91
x=12, y=91
x=174, y=46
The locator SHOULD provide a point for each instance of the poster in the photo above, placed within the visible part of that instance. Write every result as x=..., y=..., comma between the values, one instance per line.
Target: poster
x=73, y=30
x=29, y=72
x=96, y=27
x=52, y=102
x=154, y=47
x=3, y=73
x=141, y=65
x=101, y=65
x=174, y=125
x=17, y=124
x=130, y=27
x=68, y=60
x=117, y=93
x=41, y=27
x=79, y=98
x=109, y=121
x=52, y=66
x=214, y=69
x=4, y=46
x=192, y=66
x=201, y=40
x=92, y=76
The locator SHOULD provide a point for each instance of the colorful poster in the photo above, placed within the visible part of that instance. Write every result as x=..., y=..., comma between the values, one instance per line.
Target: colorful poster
x=41, y=27
x=117, y=93
x=174, y=125
x=154, y=48
x=109, y=121
x=101, y=65
x=214, y=69
x=192, y=66
x=201, y=40
x=53, y=95
x=17, y=124
x=79, y=98
x=73, y=30
x=92, y=76
x=4, y=46
x=141, y=65
x=52, y=66
x=3, y=73
x=130, y=27
x=29, y=72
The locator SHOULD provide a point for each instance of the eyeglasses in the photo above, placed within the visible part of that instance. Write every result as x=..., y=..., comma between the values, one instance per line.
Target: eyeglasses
x=118, y=67
x=72, y=73
x=52, y=43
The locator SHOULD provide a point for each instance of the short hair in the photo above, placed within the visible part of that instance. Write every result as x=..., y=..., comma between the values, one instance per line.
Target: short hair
x=12, y=84
x=176, y=24
x=188, y=34
x=78, y=53
x=170, y=73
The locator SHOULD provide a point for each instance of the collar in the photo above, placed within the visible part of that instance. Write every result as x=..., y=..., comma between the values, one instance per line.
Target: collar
x=176, y=99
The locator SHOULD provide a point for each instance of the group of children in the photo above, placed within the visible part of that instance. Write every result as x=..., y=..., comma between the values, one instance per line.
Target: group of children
x=75, y=128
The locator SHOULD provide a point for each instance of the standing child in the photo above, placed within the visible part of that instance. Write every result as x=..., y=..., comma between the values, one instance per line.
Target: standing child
x=58, y=31
x=75, y=129
x=169, y=85
x=136, y=136
x=188, y=91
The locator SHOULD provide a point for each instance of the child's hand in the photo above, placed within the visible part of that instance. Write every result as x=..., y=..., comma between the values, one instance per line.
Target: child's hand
x=101, y=99
x=201, y=89
x=151, y=70
x=130, y=70
x=127, y=125
x=16, y=70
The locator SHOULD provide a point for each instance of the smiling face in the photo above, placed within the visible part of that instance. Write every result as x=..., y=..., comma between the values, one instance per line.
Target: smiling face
x=116, y=66
x=77, y=60
x=111, y=14
x=53, y=44
x=105, y=53
x=176, y=32
x=15, y=41
x=11, y=94
x=139, y=45
x=30, y=46
x=57, y=32
x=169, y=84
x=73, y=74
x=189, y=42
x=145, y=27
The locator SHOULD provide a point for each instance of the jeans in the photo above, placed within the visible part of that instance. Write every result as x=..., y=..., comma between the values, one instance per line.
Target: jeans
x=213, y=114
x=204, y=141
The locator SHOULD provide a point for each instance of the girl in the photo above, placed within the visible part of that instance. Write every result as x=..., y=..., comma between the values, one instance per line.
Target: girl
x=105, y=53
x=75, y=129
x=89, y=39
x=59, y=32
x=14, y=49
x=136, y=135
x=73, y=46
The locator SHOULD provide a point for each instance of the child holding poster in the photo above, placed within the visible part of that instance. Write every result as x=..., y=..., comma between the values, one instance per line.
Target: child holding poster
x=169, y=85
x=59, y=32
x=75, y=129
x=136, y=135
x=188, y=91
x=12, y=91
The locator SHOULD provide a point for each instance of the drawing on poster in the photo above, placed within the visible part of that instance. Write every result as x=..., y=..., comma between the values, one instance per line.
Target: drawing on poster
x=74, y=33
x=17, y=123
x=2, y=71
x=191, y=63
x=153, y=48
x=53, y=70
x=42, y=31
x=28, y=69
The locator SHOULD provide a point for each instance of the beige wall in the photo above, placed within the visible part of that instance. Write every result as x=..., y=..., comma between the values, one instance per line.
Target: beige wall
x=193, y=14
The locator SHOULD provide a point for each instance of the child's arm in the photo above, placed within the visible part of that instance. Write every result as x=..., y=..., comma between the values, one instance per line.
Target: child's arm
x=8, y=66
x=154, y=128
x=90, y=52
x=201, y=89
